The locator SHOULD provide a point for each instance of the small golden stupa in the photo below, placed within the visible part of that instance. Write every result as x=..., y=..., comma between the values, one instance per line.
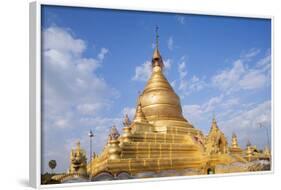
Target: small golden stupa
x=216, y=142
x=235, y=149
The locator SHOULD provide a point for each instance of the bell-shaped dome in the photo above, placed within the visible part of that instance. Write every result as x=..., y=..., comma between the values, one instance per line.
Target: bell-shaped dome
x=158, y=100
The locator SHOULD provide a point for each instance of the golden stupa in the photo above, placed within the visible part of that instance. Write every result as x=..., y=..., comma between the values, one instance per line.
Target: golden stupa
x=159, y=141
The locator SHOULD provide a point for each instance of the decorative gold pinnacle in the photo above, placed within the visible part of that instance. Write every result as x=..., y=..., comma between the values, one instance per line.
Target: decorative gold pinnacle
x=157, y=37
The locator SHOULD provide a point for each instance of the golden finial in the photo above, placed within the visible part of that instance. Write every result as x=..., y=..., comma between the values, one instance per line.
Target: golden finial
x=157, y=36
x=126, y=121
x=138, y=100
x=114, y=134
x=78, y=144
x=233, y=135
x=248, y=143
x=214, y=123
x=214, y=117
x=234, y=140
x=156, y=58
x=139, y=115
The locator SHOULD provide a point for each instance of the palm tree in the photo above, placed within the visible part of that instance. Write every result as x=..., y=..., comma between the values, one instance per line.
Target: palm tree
x=52, y=165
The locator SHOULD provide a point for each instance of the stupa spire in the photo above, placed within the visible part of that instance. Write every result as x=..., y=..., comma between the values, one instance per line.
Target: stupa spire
x=139, y=117
x=214, y=122
x=157, y=37
x=78, y=145
x=214, y=118
x=234, y=141
x=156, y=58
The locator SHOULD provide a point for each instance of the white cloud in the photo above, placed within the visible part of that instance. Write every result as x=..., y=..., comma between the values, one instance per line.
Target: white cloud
x=227, y=79
x=174, y=83
x=91, y=109
x=57, y=58
x=253, y=80
x=86, y=64
x=69, y=78
x=264, y=64
x=102, y=53
x=238, y=77
x=246, y=124
x=180, y=19
x=60, y=39
x=183, y=84
x=61, y=123
x=199, y=112
x=230, y=103
x=193, y=84
x=182, y=69
x=233, y=115
x=101, y=123
x=197, y=84
x=71, y=91
x=171, y=43
x=167, y=64
x=241, y=77
x=261, y=113
x=193, y=112
x=212, y=103
x=143, y=71
x=250, y=54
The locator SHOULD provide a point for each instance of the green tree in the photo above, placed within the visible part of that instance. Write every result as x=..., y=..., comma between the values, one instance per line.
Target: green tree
x=52, y=165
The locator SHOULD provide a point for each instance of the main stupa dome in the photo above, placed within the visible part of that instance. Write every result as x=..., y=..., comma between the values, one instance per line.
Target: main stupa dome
x=158, y=100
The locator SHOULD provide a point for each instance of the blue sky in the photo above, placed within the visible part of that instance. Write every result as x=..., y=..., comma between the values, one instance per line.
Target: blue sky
x=95, y=61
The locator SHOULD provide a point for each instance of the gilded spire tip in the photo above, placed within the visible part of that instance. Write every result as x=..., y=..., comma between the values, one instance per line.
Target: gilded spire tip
x=157, y=36
x=157, y=59
x=78, y=144
x=214, y=117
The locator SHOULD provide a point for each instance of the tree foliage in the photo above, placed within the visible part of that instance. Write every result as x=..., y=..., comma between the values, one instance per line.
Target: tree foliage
x=52, y=164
